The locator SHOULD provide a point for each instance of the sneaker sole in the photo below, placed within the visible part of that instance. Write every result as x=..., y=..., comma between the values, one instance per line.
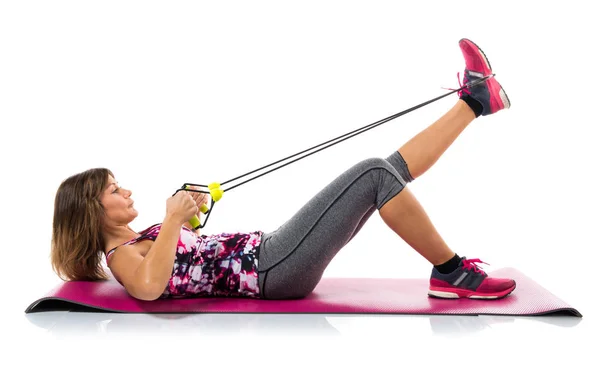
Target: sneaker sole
x=500, y=101
x=443, y=293
x=504, y=98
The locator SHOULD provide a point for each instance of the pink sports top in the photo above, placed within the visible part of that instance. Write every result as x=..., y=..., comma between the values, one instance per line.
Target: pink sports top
x=224, y=264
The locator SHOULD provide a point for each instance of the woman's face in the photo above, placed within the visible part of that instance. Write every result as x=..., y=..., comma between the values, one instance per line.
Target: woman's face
x=117, y=204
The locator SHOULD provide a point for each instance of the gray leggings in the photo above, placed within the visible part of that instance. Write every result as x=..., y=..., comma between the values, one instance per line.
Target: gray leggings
x=293, y=258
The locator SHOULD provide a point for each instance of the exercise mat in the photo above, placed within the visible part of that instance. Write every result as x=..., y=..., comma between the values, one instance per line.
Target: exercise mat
x=332, y=295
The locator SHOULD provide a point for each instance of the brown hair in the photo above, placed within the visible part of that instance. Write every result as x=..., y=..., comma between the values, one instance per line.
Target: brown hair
x=77, y=242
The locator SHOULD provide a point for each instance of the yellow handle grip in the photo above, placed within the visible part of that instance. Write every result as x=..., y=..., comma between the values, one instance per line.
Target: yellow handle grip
x=195, y=221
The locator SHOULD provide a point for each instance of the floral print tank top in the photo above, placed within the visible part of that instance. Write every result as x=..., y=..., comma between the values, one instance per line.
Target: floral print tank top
x=224, y=264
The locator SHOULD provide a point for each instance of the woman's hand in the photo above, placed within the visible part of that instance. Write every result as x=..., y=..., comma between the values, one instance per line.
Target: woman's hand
x=181, y=207
x=200, y=198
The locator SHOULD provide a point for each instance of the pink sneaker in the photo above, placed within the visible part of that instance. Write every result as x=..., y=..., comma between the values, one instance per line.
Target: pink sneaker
x=489, y=93
x=469, y=281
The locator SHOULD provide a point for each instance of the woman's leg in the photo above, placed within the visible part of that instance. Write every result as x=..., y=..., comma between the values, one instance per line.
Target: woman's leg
x=294, y=257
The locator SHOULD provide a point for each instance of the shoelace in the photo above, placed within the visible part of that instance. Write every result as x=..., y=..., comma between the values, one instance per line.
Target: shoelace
x=464, y=84
x=469, y=264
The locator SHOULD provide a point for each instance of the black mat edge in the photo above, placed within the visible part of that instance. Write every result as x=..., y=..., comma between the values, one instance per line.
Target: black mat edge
x=48, y=304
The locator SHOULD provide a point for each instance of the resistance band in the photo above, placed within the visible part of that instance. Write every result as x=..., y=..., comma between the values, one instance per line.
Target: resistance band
x=216, y=193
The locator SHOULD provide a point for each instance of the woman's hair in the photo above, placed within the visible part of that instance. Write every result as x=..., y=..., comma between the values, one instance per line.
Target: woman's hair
x=77, y=242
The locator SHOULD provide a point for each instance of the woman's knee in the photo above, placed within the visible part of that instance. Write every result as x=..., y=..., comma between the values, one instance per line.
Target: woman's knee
x=386, y=180
x=381, y=166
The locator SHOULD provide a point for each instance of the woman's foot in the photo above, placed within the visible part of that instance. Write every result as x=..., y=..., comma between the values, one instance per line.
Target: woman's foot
x=488, y=93
x=468, y=281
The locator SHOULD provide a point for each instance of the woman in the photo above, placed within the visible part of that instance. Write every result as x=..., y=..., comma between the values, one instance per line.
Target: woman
x=168, y=259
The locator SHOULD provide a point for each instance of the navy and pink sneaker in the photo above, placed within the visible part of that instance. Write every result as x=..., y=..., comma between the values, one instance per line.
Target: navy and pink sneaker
x=469, y=281
x=488, y=93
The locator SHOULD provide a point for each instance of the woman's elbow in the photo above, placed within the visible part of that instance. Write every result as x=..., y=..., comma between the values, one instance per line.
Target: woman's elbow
x=146, y=292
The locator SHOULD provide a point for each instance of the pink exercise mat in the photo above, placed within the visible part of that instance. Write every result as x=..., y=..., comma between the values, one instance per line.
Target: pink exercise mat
x=332, y=295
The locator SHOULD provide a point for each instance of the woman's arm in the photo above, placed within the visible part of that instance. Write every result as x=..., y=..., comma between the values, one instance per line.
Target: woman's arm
x=146, y=277
x=155, y=270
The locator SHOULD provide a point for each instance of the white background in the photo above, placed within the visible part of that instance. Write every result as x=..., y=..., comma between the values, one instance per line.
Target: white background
x=164, y=93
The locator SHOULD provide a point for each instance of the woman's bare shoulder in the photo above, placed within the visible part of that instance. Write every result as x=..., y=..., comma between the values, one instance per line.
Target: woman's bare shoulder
x=125, y=259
